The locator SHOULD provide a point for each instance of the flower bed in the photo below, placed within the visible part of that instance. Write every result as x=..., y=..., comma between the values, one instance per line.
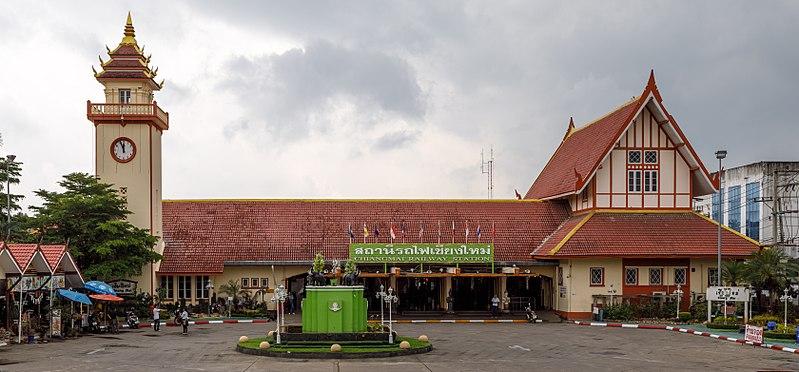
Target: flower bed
x=321, y=349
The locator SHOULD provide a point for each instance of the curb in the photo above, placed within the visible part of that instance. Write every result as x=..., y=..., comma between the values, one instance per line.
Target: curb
x=692, y=332
x=458, y=321
x=203, y=322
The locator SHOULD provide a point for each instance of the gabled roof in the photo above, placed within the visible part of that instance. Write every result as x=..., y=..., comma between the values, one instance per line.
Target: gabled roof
x=53, y=253
x=22, y=254
x=202, y=235
x=652, y=233
x=582, y=150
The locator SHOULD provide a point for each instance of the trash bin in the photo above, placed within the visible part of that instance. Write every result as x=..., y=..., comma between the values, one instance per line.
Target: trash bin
x=771, y=325
x=797, y=334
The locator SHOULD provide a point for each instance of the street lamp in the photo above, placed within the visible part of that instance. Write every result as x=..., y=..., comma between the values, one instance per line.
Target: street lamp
x=208, y=288
x=720, y=154
x=678, y=292
x=9, y=160
x=390, y=298
x=381, y=297
x=279, y=298
x=784, y=298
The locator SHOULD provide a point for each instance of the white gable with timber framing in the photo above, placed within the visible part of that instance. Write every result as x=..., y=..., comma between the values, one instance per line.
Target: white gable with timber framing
x=650, y=166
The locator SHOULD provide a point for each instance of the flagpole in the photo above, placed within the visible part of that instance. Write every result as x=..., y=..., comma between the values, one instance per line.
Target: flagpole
x=467, y=231
x=439, y=231
x=453, y=232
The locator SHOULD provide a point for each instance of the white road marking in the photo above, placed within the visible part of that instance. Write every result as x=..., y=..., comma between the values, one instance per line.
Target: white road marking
x=95, y=351
x=517, y=347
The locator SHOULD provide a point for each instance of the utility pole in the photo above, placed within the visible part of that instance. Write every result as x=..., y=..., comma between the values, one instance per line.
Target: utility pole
x=487, y=167
x=775, y=205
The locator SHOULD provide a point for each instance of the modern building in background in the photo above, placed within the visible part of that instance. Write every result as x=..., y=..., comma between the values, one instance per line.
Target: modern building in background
x=747, y=202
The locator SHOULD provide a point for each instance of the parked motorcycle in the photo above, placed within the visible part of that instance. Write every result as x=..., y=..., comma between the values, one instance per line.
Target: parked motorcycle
x=132, y=320
x=530, y=314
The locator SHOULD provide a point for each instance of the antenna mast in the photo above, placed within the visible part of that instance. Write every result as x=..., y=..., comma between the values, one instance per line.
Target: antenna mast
x=487, y=167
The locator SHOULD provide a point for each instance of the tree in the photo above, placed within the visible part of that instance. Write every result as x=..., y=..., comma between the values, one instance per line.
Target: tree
x=734, y=273
x=771, y=269
x=11, y=171
x=232, y=289
x=318, y=263
x=90, y=215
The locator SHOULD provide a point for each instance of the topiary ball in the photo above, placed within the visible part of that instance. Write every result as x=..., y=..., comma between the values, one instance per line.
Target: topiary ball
x=405, y=345
x=335, y=348
x=264, y=345
x=270, y=333
x=243, y=339
x=423, y=338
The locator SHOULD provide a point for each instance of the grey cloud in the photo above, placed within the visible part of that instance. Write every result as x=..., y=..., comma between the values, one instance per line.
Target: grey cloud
x=292, y=93
x=395, y=140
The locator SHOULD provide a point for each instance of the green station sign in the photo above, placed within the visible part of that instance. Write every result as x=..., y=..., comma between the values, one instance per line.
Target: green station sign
x=446, y=253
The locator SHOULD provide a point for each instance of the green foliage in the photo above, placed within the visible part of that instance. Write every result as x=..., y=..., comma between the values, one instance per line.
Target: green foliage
x=11, y=172
x=231, y=289
x=699, y=310
x=685, y=316
x=619, y=312
x=668, y=310
x=721, y=322
x=350, y=267
x=90, y=215
x=763, y=319
x=734, y=273
x=773, y=270
x=319, y=263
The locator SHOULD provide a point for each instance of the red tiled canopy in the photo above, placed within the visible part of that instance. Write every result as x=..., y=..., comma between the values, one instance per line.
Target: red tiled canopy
x=200, y=236
x=642, y=234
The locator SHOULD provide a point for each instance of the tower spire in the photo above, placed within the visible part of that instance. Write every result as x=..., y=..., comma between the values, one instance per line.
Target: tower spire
x=130, y=33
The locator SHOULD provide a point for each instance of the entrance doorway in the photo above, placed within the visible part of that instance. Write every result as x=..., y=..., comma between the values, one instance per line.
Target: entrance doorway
x=535, y=290
x=472, y=294
x=370, y=288
x=419, y=294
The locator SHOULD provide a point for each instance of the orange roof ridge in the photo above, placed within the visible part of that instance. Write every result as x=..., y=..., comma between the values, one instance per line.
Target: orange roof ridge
x=314, y=200
x=571, y=233
x=611, y=112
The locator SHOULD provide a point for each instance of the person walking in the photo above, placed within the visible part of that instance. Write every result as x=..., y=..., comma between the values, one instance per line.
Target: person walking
x=495, y=305
x=156, y=318
x=184, y=320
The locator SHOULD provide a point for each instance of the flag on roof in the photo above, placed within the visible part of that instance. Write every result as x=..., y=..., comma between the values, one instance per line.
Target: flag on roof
x=467, y=229
x=391, y=231
x=478, y=232
x=350, y=233
x=421, y=231
x=365, y=231
x=377, y=231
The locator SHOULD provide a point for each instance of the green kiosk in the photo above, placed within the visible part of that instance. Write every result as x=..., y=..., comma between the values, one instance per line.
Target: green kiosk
x=334, y=309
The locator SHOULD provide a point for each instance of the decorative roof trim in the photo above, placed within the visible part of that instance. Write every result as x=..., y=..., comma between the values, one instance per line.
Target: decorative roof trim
x=571, y=233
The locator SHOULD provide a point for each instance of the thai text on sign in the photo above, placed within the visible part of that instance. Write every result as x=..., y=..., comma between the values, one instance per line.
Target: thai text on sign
x=422, y=253
x=740, y=294
x=754, y=334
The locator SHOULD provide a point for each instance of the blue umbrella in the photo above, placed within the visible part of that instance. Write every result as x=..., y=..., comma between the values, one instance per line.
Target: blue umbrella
x=75, y=296
x=97, y=286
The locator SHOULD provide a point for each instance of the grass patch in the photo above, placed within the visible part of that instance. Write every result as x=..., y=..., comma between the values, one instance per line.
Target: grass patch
x=324, y=346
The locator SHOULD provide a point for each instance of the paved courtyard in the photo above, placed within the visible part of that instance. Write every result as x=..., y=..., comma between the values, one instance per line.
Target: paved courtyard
x=458, y=347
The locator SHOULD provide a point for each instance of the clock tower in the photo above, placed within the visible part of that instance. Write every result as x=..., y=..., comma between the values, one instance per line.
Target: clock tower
x=128, y=128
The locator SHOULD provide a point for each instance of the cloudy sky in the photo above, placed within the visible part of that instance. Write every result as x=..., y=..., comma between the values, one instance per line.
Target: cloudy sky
x=357, y=99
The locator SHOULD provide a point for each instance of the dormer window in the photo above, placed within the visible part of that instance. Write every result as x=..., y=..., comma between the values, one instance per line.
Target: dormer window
x=124, y=96
x=634, y=157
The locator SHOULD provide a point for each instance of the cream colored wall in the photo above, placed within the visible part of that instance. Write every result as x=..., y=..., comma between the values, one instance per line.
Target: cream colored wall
x=579, y=291
x=699, y=277
x=139, y=92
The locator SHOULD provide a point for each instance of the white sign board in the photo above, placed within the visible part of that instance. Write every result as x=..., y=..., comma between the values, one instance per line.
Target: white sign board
x=754, y=334
x=740, y=294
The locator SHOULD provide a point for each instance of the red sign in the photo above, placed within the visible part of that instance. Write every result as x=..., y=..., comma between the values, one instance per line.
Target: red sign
x=754, y=334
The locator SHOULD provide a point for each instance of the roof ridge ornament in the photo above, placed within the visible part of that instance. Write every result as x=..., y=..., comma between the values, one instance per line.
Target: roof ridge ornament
x=130, y=32
x=569, y=129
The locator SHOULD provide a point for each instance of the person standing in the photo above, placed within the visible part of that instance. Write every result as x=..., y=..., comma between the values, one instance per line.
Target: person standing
x=184, y=320
x=292, y=301
x=156, y=318
x=495, y=305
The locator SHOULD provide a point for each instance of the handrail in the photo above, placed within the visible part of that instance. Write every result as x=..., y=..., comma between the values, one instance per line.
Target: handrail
x=131, y=109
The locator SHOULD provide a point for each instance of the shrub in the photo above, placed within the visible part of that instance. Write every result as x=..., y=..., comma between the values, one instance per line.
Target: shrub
x=668, y=310
x=778, y=335
x=721, y=322
x=699, y=310
x=762, y=320
x=685, y=316
x=619, y=312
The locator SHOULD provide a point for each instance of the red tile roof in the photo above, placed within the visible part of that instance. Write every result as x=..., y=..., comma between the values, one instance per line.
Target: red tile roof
x=127, y=60
x=201, y=235
x=21, y=253
x=642, y=234
x=52, y=254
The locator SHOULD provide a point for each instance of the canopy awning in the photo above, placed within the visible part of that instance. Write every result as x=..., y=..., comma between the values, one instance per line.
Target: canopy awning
x=97, y=286
x=106, y=297
x=74, y=296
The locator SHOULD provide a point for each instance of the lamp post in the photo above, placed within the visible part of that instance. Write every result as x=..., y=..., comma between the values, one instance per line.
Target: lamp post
x=678, y=292
x=9, y=160
x=752, y=296
x=720, y=154
x=381, y=297
x=208, y=288
x=390, y=298
x=784, y=298
x=279, y=298
x=612, y=292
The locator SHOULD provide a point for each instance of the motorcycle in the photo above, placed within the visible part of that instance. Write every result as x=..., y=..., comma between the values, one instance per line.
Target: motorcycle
x=132, y=320
x=530, y=314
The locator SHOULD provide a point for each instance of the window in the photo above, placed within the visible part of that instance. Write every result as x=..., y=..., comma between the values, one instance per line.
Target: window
x=633, y=180
x=680, y=275
x=634, y=157
x=651, y=157
x=254, y=282
x=202, y=284
x=651, y=181
x=124, y=96
x=712, y=276
x=184, y=287
x=167, y=282
x=753, y=210
x=631, y=276
x=655, y=276
x=560, y=276
x=717, y=202
x=734, y=207
x=245, y=282
x=264, y=282
x=597, y=276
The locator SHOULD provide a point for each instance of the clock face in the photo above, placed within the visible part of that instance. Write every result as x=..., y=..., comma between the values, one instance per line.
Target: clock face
x=123, y=149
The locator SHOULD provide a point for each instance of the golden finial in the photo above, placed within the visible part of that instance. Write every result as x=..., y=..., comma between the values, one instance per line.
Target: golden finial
x=93, y=70
x=130, y=34
x=108, y=49
x=161, y=85
x=101, y=59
